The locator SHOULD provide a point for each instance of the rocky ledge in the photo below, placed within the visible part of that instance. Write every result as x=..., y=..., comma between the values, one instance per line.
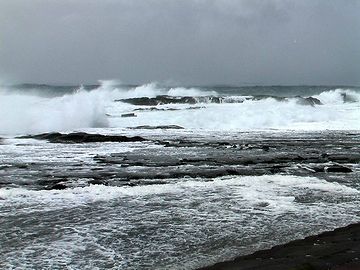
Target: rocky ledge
x=82, y=137
x=164, y=100
x=319, y=155
x=158, y=127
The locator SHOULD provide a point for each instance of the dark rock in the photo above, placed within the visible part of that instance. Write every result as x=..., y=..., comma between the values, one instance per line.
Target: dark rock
x=4, y=184
x=97, y=182
x=313, y=168
x=22, y=166
x=158, y=127
x=156, y=109
x=261, y=97
x=163, y=99
x=276, y=169
x=143, y=101
x=337, y=169
x=129, y=115
x=167, y=109
x=352, y=157
x=311, y=101
x=195, y=108
x=4, y=167
x=58, y=186
x=262, y=204
x=197, y=157
x=324, y=155
x=131, y=184
x=46, y=182
x=82, y=137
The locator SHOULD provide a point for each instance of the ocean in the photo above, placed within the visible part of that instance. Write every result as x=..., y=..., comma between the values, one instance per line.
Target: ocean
x=115, y=176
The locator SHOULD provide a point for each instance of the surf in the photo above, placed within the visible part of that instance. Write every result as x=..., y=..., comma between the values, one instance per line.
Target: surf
x=32, y=109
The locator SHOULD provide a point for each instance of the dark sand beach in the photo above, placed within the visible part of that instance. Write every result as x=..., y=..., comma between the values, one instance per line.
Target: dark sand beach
x=336, y=250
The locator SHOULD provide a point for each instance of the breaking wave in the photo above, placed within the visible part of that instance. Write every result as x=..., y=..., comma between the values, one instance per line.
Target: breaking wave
x=334, y=109
x=23, y=113
x=28, y=112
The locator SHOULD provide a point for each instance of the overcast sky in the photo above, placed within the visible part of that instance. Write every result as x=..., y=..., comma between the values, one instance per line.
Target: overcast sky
x=181, y=41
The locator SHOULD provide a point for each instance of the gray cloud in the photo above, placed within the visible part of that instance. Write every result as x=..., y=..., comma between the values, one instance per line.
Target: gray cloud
x=189, y=42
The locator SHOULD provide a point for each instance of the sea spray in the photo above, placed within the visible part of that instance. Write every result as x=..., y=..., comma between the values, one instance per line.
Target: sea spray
x=37, y=109
x=23, y=113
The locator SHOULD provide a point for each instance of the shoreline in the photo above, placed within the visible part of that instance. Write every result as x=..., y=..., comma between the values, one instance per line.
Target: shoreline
x=336, y=250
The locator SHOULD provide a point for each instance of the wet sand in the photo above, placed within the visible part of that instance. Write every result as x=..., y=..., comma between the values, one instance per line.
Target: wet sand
x=335, y=250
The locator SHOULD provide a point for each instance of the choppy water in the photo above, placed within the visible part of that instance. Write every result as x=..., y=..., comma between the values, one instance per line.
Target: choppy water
x=123, y=221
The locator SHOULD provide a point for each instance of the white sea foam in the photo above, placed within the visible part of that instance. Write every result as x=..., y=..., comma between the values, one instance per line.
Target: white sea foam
x=21, y=113
x=132, y=227
x=262, y=114
x=338, y=96
x=278, y=191
x=152, y=90
x=27, y=113
x=246, y=114
x=190, y=92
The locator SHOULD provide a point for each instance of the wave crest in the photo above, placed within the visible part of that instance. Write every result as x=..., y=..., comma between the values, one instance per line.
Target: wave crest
x=338, y=96
x=24, y=113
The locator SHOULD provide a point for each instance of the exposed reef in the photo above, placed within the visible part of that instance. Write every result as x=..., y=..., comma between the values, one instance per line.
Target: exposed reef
x=164, y=100
x=158, y=127
x=81, y=137
x=318, y=155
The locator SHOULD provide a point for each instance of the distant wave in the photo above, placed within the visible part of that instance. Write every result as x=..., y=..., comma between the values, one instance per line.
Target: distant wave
x=24, y=112
x=150, y=95
x=333, y=109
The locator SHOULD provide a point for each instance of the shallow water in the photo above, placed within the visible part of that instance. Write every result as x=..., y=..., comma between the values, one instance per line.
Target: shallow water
x=173, y=223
